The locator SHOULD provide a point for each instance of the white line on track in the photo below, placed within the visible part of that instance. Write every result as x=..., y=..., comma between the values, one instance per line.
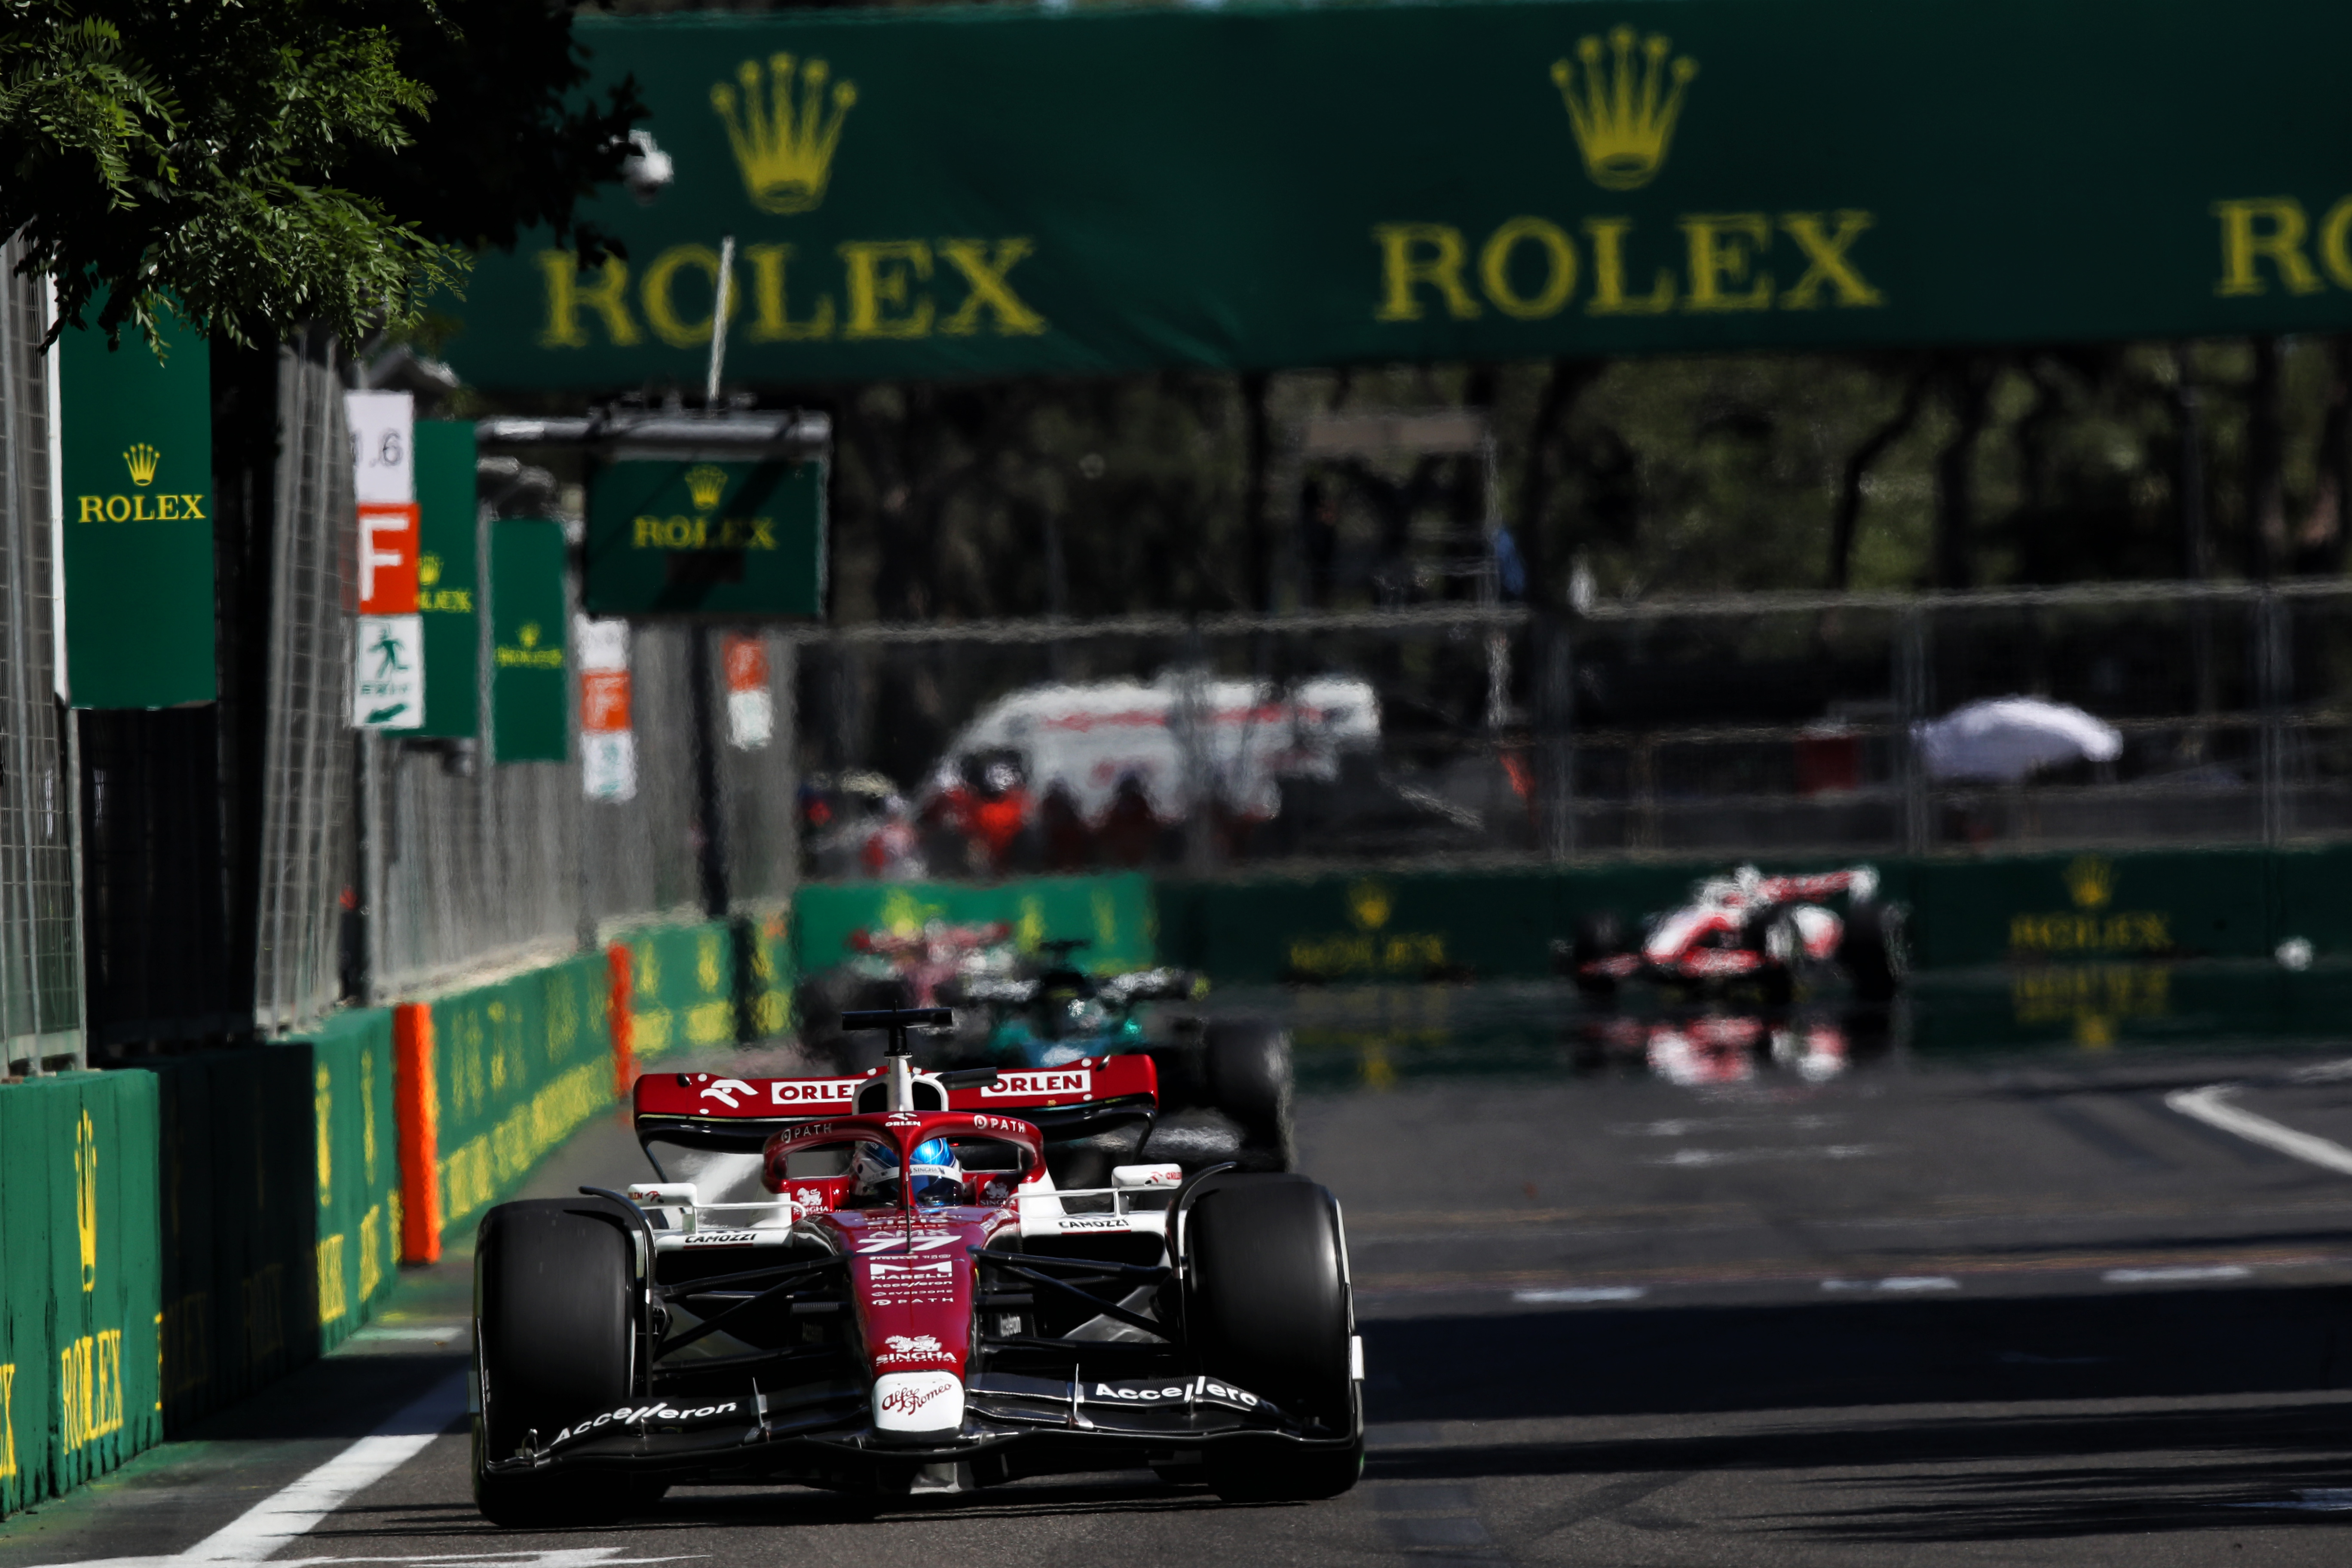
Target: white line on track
x=2176, y=1275
x=1895, y=1282
x=294, y=1510
x=2211, y=1106
x=1584, y=1293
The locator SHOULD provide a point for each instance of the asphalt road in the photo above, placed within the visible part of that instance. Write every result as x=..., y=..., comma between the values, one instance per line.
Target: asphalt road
x=2024, y=1309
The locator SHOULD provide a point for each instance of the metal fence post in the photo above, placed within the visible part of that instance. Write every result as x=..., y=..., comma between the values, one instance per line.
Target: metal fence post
x=1911, y=702
x=1555, y=730
x=2271, y=682
x=709, y=808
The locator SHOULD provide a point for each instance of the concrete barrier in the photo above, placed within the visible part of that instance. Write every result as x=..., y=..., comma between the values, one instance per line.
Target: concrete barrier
x=79, y=1283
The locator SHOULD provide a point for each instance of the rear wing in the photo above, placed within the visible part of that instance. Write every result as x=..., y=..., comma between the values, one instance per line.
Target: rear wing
x=710, y=1110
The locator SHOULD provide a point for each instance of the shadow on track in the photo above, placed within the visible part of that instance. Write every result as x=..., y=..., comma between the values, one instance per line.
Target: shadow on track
x=1657, y=1361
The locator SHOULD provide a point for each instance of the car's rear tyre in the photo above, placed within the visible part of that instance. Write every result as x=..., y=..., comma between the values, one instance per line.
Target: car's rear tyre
x=1871, y=950
x=1246, y=1065
x=1595, y=938
x=1266, y=1305
x=554, y=1325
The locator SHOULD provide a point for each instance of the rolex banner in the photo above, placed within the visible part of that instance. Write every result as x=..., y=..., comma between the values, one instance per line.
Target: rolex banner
x=1005, y=191
x=737, y=539
x=446, y=576
x=531, y=681
x=136, y=440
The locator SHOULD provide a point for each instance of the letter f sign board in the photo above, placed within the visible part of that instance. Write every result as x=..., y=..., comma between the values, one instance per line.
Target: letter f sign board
x=388, y=682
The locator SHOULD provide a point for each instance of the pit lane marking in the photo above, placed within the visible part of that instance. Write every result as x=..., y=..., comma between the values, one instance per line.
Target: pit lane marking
x=2210, y=1105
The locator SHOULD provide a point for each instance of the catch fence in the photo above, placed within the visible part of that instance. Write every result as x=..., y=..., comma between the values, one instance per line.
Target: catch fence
x=1732, y=726
x=40, y=932
x=485, y=867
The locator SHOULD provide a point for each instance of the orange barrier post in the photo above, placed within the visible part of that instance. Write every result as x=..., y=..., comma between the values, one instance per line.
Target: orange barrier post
x=624, y=1030
x=417, y=1107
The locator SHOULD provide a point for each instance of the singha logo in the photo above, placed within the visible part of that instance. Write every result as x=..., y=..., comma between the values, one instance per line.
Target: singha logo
x=912, y=1348
x=783, y=147
x=1623, y=112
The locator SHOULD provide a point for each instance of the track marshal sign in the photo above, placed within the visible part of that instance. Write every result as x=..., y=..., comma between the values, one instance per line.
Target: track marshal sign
x=1009, y=191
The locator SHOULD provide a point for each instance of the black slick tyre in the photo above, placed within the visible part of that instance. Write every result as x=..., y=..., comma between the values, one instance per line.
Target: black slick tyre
x=1871, y=952
x=1246, y=1068
x=555, y=1331
x=1267, y=1308
x=1596, y=938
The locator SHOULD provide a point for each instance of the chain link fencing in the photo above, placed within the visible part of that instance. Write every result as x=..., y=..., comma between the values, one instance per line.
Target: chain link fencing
x=484, y=868
x=40, y=930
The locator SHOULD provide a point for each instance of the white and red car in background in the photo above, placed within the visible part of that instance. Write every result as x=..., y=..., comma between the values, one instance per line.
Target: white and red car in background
x=1752, y=932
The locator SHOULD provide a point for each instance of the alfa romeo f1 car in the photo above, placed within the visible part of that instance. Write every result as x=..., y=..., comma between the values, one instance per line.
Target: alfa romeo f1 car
x=1749, y=932
x=770, y=1310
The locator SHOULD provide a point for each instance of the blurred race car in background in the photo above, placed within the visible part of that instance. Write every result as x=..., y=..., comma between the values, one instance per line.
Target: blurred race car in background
x=1224, y=1082
x=1752, y=933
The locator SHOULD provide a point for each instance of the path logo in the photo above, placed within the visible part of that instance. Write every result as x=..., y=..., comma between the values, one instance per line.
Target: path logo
x=86, y=1198
x=142, y=460
x=1624, y=109
x=705, y=484
x=783, y=138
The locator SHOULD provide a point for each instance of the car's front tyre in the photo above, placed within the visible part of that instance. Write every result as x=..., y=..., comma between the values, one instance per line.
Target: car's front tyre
x=1267, y=1305
x=553, y=1290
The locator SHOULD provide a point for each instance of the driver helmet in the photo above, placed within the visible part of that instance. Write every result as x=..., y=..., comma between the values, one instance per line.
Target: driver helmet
x=937, y=1177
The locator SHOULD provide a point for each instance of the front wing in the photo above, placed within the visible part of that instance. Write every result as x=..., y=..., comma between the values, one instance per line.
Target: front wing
x=1013, y=1425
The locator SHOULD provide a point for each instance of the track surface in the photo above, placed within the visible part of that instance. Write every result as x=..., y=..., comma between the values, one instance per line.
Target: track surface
x=2023, y=1312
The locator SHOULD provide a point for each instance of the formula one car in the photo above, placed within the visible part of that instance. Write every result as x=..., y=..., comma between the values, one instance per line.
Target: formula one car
x=925, y=967
x=1749, y=932
x=1237, y=1071
x=876, y=1286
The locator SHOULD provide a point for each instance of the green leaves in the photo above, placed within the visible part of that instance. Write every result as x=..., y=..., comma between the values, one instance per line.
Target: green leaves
x=197, y=158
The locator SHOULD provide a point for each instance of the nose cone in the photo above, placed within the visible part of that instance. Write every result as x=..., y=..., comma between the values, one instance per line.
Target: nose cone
x=919, y=1404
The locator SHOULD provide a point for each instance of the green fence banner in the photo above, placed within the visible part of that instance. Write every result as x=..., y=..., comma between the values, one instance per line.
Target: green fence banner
x=447, y=576
x=682, y=987
x=78, y=1285
x=741, y=538
x=517, y=1065
x=136, y=438
x=1007, y=191
x=1113, y=914
x=530, y=687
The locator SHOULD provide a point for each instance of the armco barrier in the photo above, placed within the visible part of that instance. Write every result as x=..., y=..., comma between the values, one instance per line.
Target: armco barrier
x=2066, y=906
x=280, y=1207
x=80, y=1296
x=1114, y=914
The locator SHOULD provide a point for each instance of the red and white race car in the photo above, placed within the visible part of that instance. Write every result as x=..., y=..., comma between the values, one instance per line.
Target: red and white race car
x=750, y=1318
x=1749, y=930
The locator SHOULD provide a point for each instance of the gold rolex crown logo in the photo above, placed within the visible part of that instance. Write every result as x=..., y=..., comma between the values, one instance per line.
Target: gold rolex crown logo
x=428, y=570
x=2090, y=880
x=529, y=635
x=783, y=138
x=86, y=1198
x=142, y=459
x=705, y=484
x=1624, y=109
